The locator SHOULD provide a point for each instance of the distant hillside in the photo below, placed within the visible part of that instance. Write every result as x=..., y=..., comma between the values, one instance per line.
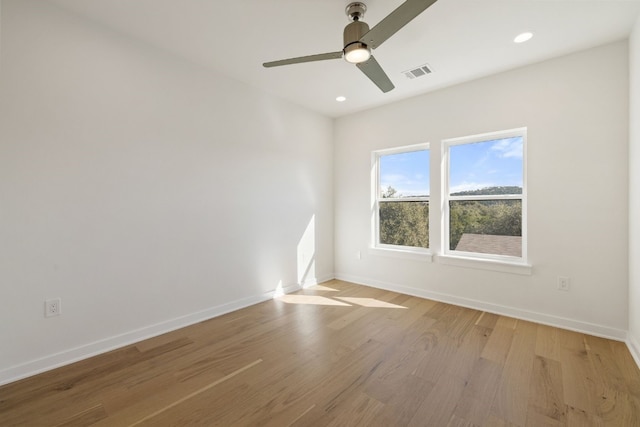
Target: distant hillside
x=489, y=191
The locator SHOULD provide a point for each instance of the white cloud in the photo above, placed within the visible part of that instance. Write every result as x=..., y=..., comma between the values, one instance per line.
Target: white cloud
x=508, y=147
x=390, y=178
x=481, y=161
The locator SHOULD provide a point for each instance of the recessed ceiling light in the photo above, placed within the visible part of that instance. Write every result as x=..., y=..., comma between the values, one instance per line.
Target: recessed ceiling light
x=521, y=38
x=341, y=99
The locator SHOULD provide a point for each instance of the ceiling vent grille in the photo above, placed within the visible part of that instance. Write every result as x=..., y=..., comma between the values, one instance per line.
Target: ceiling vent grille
x=422, y=70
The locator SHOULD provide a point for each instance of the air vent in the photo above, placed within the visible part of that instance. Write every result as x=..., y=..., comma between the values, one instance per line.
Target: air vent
x=422, y=70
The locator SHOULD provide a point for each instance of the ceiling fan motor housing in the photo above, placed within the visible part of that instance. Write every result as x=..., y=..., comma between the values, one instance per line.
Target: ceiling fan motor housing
x=352, y=34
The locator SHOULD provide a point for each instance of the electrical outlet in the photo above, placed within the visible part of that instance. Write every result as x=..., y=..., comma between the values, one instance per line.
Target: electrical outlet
x=563, y=283
x=52, y=307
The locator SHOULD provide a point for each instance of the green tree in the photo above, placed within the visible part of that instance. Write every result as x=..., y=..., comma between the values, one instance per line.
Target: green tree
x=404, y=223
x=496, y=217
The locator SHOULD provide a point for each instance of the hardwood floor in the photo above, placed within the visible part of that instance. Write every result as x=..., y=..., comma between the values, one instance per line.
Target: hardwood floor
x=340, y=354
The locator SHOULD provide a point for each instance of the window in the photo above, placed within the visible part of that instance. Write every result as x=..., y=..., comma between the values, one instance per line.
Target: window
x=401, y=201
x=485, y=196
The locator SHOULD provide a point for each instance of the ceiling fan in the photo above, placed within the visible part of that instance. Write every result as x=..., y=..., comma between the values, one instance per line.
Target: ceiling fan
x=359, y=40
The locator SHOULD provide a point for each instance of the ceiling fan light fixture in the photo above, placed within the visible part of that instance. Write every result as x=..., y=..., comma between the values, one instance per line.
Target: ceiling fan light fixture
x=357, y=53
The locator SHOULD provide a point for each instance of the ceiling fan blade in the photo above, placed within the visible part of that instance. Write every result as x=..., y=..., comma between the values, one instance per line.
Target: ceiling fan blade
x=376, y=74
x=394, y=21
x=301, y=59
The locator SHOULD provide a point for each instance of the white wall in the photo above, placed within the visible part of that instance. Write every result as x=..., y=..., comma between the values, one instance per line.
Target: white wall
x=144, y=191
x=576, y=111
x=634, y=193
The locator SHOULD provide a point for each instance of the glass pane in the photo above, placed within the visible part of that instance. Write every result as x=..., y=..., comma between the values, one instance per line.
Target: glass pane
x=404, y=174
x=487, y=226
x=487, y=167
x=404, y=223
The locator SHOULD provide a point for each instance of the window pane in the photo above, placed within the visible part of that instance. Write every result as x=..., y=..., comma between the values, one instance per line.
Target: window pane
x=404, y=223
x=487, y=167
x=487, y=226
x=404, y=174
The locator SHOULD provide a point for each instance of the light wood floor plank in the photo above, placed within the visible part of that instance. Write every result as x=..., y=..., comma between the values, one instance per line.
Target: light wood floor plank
x=546, y=396
x=580, y=389
x=499, y=343
x=547, y=342
x=511, y=402
x=478, y=395
x=401, y=395
x=194, y=393
x=438, y=406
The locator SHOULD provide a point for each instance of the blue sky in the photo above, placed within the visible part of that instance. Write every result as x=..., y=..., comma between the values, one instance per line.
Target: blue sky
x=486, y=164
x=408, y=173
x=473, y=166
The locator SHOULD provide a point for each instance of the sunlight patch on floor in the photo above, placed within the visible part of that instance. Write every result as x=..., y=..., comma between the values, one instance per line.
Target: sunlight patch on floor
x=370, y=302
x=322, y=288
x=311, y=300
x=339, y=301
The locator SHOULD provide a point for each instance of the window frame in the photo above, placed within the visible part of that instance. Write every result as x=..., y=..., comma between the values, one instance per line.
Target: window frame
x=447, y=198
x=376, y=246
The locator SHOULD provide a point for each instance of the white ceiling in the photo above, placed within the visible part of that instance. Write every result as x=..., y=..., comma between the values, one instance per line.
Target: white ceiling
x=460, y=40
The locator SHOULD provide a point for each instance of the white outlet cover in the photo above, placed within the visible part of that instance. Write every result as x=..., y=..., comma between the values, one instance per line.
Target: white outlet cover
x=563, y=283
x=52, y=307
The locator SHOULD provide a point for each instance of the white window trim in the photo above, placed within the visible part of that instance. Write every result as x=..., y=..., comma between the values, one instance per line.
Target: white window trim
x=404, y=252
x=517, y=265
x=396, y=251
x=486, y=264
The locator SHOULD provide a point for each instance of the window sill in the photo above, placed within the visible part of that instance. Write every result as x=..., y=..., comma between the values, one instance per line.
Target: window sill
x=415, y=255
x=487, y=264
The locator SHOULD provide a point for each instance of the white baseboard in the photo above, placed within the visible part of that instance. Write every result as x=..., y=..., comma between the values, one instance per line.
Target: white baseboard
x=545, y=319
x=95, y=348
x=634, y=348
